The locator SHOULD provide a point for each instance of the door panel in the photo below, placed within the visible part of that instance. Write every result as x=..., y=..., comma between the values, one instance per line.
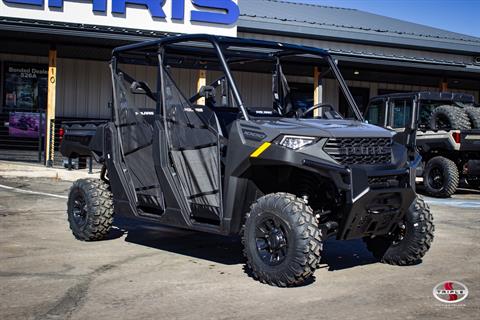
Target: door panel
x=194, y=153
x=136, y=136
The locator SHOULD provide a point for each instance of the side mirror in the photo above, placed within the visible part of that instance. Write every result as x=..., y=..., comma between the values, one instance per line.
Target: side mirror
x=207, y=92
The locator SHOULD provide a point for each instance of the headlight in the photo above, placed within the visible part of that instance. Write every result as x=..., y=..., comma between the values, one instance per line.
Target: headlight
x=295, y=142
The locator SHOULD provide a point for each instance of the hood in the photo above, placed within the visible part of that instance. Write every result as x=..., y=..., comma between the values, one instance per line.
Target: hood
x=324, y=128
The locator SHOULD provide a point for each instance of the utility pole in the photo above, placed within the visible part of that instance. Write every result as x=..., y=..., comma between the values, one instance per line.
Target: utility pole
x=50, y=115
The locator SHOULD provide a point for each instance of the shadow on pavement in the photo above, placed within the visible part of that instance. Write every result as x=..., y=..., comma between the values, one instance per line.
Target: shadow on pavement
x=215, y=248
x=337, y=255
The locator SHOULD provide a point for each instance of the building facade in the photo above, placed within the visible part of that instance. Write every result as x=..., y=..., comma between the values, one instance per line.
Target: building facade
x=376, y=54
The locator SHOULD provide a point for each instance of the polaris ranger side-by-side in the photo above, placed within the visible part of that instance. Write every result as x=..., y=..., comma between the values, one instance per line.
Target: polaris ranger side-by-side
x=283, y=177
x=448, y=138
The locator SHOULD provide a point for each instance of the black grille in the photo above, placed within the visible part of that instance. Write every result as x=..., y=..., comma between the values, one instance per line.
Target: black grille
x=349, y=151
x=395, y=181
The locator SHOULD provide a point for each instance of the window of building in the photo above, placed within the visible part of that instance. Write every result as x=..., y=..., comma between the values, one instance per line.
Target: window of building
x=24, y=99
x=24, y=87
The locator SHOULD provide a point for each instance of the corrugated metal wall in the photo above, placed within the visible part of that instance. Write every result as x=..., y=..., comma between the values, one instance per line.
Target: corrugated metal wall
x=83, y=88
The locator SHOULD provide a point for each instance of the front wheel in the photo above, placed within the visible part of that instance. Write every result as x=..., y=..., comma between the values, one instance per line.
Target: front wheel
x=90, y=209
x=282, y=240
x=410, y=242
x=441, y=177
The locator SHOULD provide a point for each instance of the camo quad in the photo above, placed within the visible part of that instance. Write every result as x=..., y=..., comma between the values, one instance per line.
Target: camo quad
x=283, y=175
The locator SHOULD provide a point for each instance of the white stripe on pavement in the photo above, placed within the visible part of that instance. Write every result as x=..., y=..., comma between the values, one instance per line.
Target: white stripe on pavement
x=446, y=202
x=454, y=203
x=33, y=192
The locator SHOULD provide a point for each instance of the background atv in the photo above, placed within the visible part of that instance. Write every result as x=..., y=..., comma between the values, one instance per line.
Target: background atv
x=282, y=177
x=448, y=138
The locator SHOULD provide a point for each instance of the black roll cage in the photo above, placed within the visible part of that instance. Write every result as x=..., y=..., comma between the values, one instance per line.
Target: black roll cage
x=219, y=43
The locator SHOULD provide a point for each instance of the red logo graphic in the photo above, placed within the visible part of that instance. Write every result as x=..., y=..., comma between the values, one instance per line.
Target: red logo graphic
x=450, y=292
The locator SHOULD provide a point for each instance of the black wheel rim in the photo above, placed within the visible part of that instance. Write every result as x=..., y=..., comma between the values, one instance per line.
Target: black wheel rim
x=271, y=240
x=399, y=234
x=79, y=210
x=443, y=123
x=435, y=178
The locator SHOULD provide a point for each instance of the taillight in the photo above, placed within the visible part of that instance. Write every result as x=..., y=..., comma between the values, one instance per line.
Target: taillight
x=456, y=136
x=61, y=132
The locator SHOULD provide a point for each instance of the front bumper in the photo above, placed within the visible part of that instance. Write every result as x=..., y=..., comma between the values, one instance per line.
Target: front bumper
x=375, y=200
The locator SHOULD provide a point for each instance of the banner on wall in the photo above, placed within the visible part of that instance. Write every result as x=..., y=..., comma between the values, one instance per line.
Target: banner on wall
x=26, y=124
x=25, y=86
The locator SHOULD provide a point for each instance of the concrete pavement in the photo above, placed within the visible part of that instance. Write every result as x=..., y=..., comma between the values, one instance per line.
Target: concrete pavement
x=151, y=272
x=37, y=170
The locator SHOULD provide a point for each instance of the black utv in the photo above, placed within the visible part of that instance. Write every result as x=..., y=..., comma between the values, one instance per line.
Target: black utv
x=448, y=135
x=222, y=161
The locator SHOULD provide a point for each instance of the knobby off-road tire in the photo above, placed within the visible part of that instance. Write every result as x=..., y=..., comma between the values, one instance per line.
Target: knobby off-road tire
x=473, y=114
x=416, y=241
x=284, y=221
x=441, y=177
x=449, y=118
x=90, y=209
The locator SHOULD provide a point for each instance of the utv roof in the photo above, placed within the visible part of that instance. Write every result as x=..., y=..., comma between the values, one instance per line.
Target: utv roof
x=430, y=95
x=193, y=41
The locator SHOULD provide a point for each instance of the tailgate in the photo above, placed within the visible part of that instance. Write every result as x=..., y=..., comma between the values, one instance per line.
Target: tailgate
x=470, y=140
x=77, y=137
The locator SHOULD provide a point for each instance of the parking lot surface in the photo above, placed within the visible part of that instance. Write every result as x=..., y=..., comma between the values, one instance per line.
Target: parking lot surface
x=152, y=272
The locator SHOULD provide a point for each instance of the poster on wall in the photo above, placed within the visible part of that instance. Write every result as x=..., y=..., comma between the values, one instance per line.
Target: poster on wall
x=26, y=124
x=25, y=86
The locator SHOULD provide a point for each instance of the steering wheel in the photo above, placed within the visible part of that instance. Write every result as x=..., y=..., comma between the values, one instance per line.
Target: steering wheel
x=317, y=106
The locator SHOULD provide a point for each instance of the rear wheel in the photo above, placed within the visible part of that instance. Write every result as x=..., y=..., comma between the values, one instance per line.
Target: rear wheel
x=449, y=118
x=441, y=177
x=90, y=209
x=282, y=240
x=410, y=242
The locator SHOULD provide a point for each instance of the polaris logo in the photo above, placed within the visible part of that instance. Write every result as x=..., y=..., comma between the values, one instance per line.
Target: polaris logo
x=145, y=113
x=365, y=151
x=146, y=17
x=253, y=135
x=210, y=11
